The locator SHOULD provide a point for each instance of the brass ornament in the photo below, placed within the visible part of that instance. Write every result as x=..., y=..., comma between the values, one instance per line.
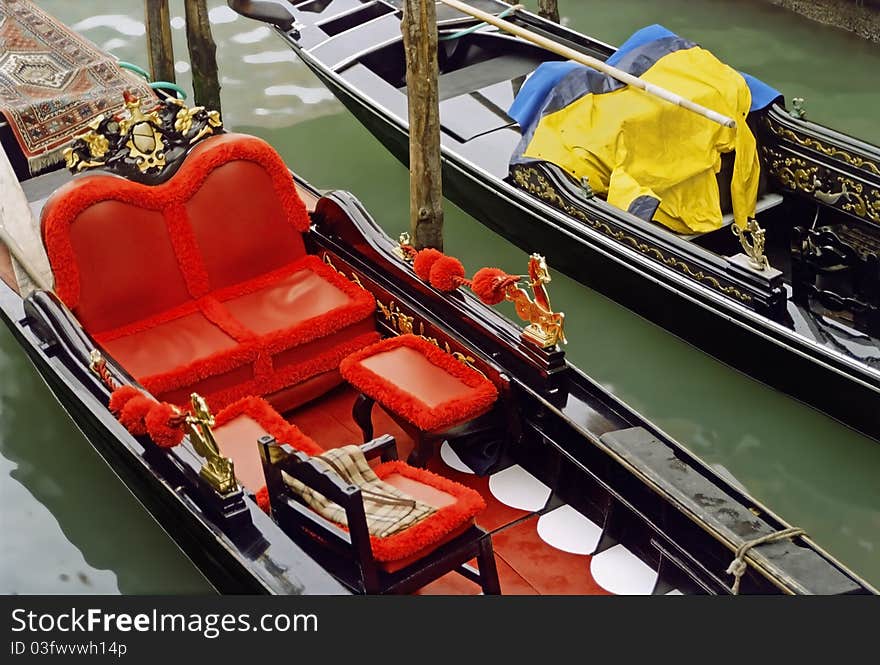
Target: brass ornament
x=752, y=240
x=142, y=146
x=218, y=471
x=403, y=240
x=545, y=328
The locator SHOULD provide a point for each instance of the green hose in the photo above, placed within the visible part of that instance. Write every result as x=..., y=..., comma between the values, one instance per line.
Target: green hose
x=155, y=85
x=165, y=85
x=134, y=68
x=461, y=33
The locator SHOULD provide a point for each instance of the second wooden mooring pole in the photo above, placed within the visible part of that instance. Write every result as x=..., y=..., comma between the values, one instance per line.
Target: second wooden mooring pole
x=425, y=190
x=202, y=55
x=159, y=48
x=549, y=9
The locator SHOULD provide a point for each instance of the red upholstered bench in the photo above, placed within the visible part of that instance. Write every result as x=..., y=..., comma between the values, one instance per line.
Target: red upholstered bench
x=238, y=427
x=202, y=283
x=426, y=390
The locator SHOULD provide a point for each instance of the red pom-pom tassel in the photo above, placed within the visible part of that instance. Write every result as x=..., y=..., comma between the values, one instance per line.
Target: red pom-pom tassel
x=423, y=262
x=164, y=425
x=119, y=398
x=134, y=412
x=447, y=274
x=262, y=498
x=489, y=284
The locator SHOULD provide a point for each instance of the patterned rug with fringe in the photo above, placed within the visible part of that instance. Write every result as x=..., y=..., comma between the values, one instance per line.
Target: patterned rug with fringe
x=53, y=82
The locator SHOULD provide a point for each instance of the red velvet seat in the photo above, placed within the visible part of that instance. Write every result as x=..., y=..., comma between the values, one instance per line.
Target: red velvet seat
x=242, y=423
x=202, y=283
x=425, y=389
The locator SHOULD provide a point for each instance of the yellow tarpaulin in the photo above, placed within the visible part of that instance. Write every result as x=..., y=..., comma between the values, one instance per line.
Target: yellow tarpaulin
x=638, y=150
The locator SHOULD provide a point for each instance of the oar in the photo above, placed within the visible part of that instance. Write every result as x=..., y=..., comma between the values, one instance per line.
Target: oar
x=584, y=59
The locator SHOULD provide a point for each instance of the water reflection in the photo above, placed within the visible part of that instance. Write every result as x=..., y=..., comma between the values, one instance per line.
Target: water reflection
x=69, y=525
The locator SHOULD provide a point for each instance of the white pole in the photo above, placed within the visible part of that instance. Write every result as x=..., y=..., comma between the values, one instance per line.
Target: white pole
x=584, y=59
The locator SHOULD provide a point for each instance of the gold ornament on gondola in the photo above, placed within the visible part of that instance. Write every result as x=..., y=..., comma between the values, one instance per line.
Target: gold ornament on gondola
x=546, y=328
x=142, y=146
x=218, y=471
x=754, y=248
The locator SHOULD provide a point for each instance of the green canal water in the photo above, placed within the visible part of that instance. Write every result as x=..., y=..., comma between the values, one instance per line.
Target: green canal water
x=69, y=526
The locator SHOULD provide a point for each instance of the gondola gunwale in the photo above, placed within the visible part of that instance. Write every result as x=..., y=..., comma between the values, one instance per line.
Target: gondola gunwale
x=813, y=358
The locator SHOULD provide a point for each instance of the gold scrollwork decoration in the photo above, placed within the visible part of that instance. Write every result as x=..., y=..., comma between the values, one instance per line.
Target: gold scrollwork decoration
x=794, y=173
x=861, y=201
x=529, y=179
x=856, y=161
x=353, y=277
x=407, y=325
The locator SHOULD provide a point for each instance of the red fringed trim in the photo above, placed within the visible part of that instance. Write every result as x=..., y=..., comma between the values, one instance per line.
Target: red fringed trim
x=120, y=397
x=490, y=284
x=423, y=261
x=134, y=412
x=186, y=251
x=262, y=498
x=73, y=198
x=447, y=274
x=260, y=411
x=481, y=397
x=434, y=528
x=164, y=424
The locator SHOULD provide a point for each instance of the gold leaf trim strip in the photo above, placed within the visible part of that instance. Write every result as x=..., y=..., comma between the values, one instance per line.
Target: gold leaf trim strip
x=856, y=161
x=535, y=183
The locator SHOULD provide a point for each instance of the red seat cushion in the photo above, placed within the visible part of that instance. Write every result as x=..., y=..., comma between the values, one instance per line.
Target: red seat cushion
x=284, y=328
x=457, y=506
x=418, y=381
x=202, y=283
x=123, y=252
x=239, y=425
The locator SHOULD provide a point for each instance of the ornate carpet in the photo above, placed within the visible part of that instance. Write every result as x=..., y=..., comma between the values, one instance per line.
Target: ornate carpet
x=54, y=82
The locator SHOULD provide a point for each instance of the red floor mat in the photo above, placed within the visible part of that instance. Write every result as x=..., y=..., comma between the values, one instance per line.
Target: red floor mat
x=547, y=569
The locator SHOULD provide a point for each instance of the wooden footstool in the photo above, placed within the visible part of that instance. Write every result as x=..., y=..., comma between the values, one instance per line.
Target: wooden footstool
x=427, y=391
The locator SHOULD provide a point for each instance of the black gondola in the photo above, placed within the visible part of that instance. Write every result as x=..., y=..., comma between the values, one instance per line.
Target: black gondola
x=593, y=459
x=809, y=326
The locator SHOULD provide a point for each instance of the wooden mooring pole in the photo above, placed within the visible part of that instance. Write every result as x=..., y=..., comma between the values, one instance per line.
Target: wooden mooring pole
x=202, y=55
x=425, y=190
x=549, y=9
x=159, y=48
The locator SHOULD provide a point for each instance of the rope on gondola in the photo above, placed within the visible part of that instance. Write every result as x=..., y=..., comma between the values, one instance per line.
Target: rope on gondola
x=739, y=565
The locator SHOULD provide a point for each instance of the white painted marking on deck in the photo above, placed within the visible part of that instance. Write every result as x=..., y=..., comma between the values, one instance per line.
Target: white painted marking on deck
x=568, y=530
x=517, y=488
x=621, y=572
x=452, y=460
